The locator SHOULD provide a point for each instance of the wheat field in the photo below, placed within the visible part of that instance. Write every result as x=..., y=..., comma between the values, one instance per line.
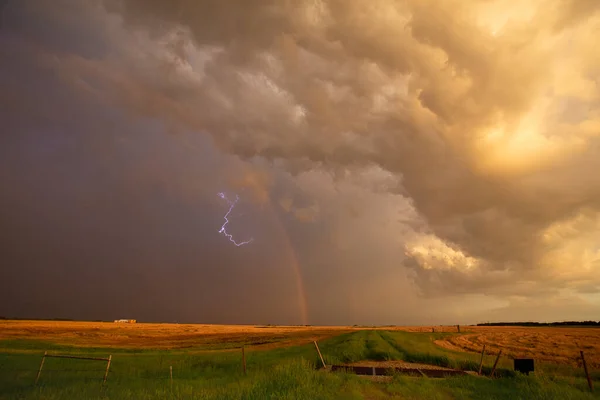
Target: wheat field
x=161, y=336
x=560, y=345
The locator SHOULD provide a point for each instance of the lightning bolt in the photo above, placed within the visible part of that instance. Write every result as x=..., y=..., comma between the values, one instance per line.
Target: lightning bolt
x=223, y=230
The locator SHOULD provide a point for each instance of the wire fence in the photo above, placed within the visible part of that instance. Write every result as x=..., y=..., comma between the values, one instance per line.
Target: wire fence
x=119, y=373
x=28, y=375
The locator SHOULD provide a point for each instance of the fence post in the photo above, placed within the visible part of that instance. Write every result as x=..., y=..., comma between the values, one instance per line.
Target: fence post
x=587, y=373
x=481, y=362
x=37, y=378
x=320, y=355
x=171, y=376
x=244, y=359
x=495, y=364
x=107, y=367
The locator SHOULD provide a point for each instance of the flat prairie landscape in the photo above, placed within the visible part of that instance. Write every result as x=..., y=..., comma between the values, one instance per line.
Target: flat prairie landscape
x=206, y=361
x=172, y=336
x=161, y=336
x=560, y=345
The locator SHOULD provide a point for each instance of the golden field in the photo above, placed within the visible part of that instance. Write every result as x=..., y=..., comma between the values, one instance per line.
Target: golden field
x=559, y=345
x=550, y=344
x=165, y=336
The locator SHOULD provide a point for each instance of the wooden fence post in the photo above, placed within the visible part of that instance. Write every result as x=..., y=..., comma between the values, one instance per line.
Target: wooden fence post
x=37, y=378
x=587, y=373
x=244, y=359
x=320, y=355
x=495, y=364
x=107, y=367
x=481, y=362
x=458, y=328
x=171, y=376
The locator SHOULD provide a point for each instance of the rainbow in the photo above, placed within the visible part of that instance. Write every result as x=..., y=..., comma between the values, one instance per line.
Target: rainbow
x=292, y=259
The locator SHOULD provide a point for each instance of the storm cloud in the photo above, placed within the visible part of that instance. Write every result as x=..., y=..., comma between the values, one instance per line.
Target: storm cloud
x=416, y=154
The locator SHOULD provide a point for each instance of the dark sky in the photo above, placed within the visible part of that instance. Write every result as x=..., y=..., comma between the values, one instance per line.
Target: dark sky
x=396, y=163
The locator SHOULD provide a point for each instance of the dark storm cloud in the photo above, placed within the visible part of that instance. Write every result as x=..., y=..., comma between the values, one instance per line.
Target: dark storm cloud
x=103, y=216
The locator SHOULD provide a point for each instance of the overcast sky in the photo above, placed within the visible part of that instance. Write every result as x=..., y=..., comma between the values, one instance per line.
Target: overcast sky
x=396, y=162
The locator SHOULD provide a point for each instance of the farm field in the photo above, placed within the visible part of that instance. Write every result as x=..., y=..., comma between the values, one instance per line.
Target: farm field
x=282, y=362
x=161, y=336
x=560, y=345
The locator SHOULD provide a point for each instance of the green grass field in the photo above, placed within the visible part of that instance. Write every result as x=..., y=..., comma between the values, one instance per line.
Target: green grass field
x=210, y=372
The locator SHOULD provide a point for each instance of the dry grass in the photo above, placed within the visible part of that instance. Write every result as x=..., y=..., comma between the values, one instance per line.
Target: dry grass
x=559, y=345
x=166, y=336
x=143, y=335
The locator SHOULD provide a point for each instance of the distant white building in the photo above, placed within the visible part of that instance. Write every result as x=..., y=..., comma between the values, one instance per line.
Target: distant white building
x=125, y=321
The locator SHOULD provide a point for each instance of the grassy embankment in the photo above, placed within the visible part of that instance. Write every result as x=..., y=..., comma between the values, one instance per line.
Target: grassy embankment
x=209, y=372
